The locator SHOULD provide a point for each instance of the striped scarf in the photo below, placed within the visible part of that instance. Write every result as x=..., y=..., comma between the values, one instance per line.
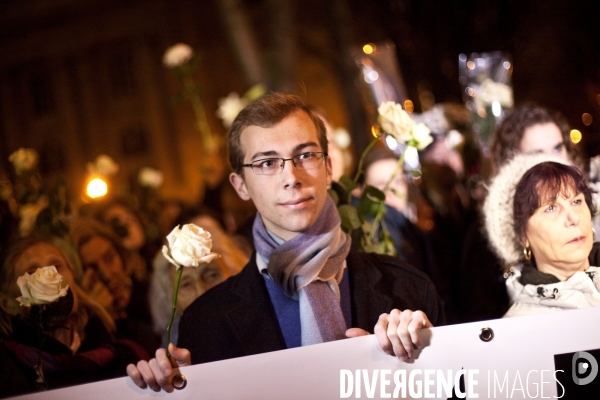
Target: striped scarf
x=308, y=268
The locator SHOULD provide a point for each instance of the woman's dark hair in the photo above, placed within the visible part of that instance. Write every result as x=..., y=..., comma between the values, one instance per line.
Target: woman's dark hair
x=543, y=183
x=507, y=138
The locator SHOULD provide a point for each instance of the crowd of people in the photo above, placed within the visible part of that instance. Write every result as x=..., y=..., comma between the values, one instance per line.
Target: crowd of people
x=291, y=276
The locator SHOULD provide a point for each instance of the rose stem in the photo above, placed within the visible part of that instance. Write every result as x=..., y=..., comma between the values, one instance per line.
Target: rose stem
x=359, y=170
x=381, y=205
x=173, y=306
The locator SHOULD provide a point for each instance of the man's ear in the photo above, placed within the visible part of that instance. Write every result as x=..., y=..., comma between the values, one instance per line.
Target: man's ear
x=329, y=171
x=238, y=183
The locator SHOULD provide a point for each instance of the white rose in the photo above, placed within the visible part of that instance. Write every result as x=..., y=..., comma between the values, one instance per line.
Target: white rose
x=45, y=286
x=490, y=91
x=104, y=165
x=177, y=55
x=23, y=160
x=422, y=135
x=395, y=121
x=189, y=246
x=150, y=177
x=230, y=107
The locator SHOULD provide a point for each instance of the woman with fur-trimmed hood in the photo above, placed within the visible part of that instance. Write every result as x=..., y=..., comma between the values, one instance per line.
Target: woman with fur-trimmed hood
x=538, y=216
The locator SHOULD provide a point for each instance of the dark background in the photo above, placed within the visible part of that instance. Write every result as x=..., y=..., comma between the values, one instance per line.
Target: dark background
x=82, y=78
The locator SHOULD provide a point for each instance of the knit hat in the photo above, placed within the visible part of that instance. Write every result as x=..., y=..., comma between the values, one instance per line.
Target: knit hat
x=499, y=204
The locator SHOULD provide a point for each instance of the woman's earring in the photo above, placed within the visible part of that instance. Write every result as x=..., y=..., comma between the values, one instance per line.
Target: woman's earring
x=527, y=253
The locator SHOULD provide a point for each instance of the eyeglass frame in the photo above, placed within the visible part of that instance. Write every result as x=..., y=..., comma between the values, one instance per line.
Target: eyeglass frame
x=283, y=160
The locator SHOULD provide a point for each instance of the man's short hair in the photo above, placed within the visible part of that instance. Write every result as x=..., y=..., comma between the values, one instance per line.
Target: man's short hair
x=266, y=112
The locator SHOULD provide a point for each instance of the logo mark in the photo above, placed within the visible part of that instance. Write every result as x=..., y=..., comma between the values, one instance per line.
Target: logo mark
x=581, y=367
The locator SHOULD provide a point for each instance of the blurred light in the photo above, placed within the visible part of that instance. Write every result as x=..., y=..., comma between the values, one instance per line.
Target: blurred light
x=428, y=225
x=506, y=64
x=391, y=142
x=496, y=108
x=370, y=75
x=471, y=92
x=453, y=139
x=96, y=188
x=462, y=80
x=341, y=138
x=576, y=136
x=409, y=107
x=481, y=112
x=411, y=158
x=470, y=65
x=481, y=62
x=587, y=119
x=462, y=57
x=369, y=48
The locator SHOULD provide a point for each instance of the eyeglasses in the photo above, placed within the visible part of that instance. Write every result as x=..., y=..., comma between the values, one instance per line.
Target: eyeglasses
x=274, y=166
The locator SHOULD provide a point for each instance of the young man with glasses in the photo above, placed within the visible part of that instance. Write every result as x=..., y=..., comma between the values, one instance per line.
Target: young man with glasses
x=303, y=285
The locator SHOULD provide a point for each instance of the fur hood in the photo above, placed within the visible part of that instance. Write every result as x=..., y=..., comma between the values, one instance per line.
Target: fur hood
x=498, y=205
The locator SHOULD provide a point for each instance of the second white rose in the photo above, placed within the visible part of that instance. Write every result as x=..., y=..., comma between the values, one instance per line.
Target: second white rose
x=189, y=246
x=44, y=286
x=395, y=121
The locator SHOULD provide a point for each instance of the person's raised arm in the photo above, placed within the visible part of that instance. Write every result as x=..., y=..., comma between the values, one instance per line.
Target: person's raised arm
x=157, y=373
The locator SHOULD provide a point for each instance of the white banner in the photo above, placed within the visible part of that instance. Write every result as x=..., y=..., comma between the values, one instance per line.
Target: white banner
x=518, y=363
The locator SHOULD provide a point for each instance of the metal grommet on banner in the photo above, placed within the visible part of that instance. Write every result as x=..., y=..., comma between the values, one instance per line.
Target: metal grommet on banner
x=486, y=335
x=179, y=382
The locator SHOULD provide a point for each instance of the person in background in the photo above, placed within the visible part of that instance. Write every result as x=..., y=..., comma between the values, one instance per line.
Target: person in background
x=538, y=216
x=452, y=212
x=410, y=242
x=531, y=129
x=109, y=278
x=79, y=350
x=132, y=230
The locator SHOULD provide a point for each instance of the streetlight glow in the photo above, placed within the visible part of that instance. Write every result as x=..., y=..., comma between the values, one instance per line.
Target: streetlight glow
x=96, y=188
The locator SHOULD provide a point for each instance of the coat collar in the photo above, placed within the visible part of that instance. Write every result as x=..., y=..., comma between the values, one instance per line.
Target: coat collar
x=367, y=296
x=254, y=319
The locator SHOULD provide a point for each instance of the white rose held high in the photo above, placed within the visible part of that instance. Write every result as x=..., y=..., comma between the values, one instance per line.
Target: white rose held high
x=23, y=160
x=397, y=123
x=178, y=54
x=182, y=60
x=189, y=246
x=150, y=178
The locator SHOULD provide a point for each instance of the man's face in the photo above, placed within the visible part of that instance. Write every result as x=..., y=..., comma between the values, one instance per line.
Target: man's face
x=291, y=201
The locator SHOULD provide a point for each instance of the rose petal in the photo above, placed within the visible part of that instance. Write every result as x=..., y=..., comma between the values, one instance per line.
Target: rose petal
x=165, y=251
